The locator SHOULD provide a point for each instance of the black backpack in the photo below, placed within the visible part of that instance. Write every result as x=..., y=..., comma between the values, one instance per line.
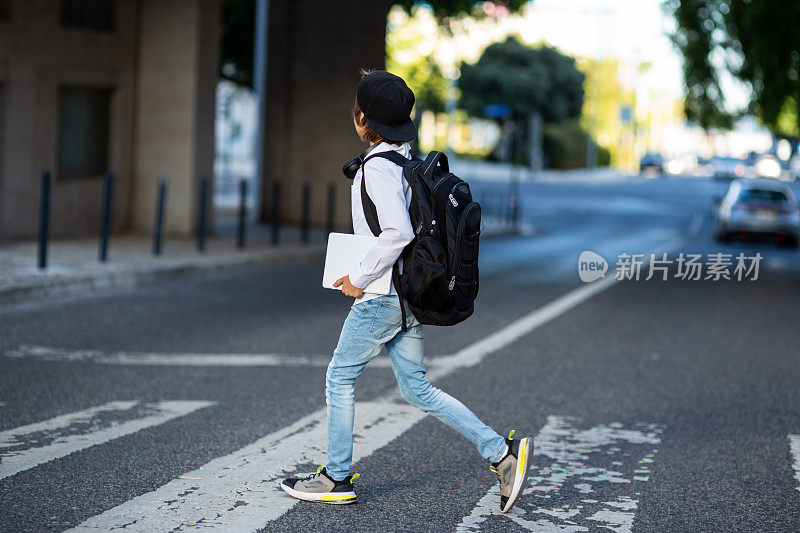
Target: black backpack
x=440, y=266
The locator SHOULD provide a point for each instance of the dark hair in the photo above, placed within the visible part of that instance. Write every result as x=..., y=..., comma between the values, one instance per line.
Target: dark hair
x=370, y=135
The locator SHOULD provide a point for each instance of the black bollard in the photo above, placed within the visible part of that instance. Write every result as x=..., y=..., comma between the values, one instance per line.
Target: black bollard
x=331, y=214
x=44, y=218
x=201, y=217
x=105, y=225
x=160, y=201
x=305, y=212
x=242, y=218
x=276, y=212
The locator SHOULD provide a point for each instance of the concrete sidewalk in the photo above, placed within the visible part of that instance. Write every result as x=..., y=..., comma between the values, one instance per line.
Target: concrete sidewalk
x=73, y=266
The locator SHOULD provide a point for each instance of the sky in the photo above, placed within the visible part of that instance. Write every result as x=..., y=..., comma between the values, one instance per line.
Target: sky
x=633, y=31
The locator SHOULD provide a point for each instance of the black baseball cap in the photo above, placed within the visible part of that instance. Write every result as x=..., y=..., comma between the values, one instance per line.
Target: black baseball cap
x=386, y=102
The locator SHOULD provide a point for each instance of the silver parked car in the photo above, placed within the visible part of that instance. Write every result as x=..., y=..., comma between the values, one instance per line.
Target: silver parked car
x=759, y=207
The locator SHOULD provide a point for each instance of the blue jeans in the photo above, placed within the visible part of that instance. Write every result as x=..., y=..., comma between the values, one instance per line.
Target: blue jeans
x=369, y=326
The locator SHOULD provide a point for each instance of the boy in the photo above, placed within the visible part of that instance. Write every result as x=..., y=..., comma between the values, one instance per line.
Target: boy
x=381, y=116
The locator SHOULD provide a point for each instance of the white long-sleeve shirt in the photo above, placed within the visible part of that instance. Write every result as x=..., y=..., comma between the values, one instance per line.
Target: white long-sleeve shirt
x=391, y=194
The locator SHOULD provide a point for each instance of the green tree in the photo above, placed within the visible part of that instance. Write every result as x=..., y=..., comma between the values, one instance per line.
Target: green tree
x=601, y=108
x=408, y=58
x=450, y=8
x=757, y=41
x=527, y=80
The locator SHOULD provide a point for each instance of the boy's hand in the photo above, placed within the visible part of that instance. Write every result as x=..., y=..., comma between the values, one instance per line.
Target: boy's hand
x=348, y=288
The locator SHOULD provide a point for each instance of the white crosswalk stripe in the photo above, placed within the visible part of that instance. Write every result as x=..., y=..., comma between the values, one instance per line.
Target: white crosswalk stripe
x=239, y=491
x=794, y=447
x=28, y=446
x=611, y=460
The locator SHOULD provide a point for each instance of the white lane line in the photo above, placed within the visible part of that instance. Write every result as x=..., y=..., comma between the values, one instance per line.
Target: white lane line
x=442, y=365
x=62, y=435
x=794, y=446
x=474, y=353
x=180, y=359
x=165, y=359
x=45, y=353
x=570, y=466
x=239, y=492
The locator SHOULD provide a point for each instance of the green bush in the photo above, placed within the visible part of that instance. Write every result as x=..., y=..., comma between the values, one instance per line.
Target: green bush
x=603, y=156
x=565, y=146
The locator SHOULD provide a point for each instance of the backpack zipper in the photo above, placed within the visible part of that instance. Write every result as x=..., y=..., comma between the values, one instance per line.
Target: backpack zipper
x=457, y=255
x=460, y=238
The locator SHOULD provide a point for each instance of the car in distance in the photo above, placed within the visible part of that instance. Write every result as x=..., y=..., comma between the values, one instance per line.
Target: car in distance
x=794, y=167
x=759, y=208
x=727, y=168
x=651, y=161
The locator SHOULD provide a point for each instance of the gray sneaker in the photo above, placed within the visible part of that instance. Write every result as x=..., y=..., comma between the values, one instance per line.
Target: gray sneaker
x=320, y=487
x=512, y=470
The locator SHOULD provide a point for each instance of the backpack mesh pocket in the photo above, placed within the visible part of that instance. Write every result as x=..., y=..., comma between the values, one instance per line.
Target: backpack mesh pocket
x=425, y=276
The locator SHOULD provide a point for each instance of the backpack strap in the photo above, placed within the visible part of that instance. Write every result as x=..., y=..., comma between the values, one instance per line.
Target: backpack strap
x=392, y=155
x=370, y=212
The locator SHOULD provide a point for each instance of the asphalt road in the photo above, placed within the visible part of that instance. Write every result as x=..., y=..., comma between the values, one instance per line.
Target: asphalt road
x=655, y=405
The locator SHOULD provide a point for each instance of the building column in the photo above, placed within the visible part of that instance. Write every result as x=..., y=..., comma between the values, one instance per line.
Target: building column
x=315, y=52
x=175, y=104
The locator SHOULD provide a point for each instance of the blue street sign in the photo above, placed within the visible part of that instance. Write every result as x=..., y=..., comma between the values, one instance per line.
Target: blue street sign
x=626, y=114
x=497, y=111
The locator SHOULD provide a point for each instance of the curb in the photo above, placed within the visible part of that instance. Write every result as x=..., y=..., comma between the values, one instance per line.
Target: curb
x=120, y=278
x=124, y=279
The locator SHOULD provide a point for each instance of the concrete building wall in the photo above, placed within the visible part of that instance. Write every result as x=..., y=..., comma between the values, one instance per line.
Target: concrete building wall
x=177, y=71
x=37, y=56
x=160, y=63
x=315, y=51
